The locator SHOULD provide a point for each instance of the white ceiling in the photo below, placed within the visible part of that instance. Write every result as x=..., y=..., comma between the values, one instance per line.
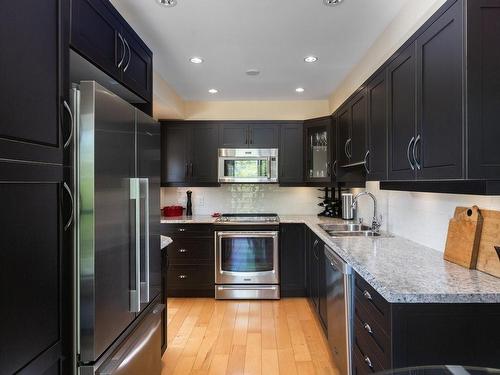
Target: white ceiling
x=272, y=36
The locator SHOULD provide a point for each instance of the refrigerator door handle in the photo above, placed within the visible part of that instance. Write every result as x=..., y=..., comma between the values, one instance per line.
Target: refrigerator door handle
x=135, y=294
x=145, y=297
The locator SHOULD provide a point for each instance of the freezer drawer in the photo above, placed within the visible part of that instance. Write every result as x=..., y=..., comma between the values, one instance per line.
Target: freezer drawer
x=139, y=353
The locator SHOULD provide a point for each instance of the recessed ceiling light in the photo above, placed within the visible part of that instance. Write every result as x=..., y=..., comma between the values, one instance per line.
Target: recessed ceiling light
x=167, y=3
x=331, y=2
x=310, y=59
x=196, y=60
x=252, y=72
x=213, y=91
x=299, y=89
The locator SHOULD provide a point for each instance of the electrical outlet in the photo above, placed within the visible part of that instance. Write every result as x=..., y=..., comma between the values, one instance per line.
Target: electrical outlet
x=200, y=200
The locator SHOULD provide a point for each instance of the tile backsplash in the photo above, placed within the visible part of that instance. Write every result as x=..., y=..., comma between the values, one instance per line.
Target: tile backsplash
x=420, y=217
x=246, y=198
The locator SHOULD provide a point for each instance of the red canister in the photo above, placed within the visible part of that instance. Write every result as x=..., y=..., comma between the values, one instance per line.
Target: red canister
x=170, y=211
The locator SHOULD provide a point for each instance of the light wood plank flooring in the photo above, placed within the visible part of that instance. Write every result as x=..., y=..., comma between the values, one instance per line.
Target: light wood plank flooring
x=206, y=336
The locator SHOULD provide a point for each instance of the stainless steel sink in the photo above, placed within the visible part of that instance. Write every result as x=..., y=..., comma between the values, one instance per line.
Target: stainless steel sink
x=361, y=233
x=344, y=227
x=349, y=230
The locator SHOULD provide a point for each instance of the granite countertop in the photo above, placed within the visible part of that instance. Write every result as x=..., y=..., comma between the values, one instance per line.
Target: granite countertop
x=195, y=219
x=399, y=269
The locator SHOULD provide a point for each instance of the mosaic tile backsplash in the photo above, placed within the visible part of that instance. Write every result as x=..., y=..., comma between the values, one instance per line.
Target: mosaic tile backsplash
x=246, y=198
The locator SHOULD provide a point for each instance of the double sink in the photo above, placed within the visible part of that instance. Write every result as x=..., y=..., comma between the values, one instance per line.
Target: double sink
x=349, y=230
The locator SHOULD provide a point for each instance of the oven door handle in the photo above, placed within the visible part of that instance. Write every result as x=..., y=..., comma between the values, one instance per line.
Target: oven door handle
x=245, y=287
x=239, y=234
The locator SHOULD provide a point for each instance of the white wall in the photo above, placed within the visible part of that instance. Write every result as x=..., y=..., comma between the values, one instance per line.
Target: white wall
x=420, y=217
x=246, y=198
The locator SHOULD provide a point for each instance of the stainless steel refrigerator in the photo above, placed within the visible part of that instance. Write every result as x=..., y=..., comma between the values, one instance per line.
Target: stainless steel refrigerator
x=118, y=312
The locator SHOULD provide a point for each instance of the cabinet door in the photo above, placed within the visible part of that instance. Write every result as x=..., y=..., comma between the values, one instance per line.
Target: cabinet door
x=440, y=126
x=344, y=132
x=357, y=146
x=138, y=65
x=203, y=152
x=292, y=260
x=94, y=34
x=322, y=308
x=175, y=145
x=263, y=135
x=402, y=115
x=483, y=69
x=314, y=271
x=234, y=135
x=33, y=73
x=377, y=128
x=291, y=154
x=318, y=152
x=31, y=269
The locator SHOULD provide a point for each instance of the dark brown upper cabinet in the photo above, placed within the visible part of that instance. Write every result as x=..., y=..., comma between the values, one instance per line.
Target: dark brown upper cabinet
x=402, y=125
x=352, y=125
x=34, y=119
x=291, y=154
x=100, y=34
x=189, y=153
x=438, y=144
x=483, y=89
x=376, y=162
x=318, y=150
x=242, y=134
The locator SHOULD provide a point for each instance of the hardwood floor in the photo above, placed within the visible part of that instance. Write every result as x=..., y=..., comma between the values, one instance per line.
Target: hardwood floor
x=206, y=336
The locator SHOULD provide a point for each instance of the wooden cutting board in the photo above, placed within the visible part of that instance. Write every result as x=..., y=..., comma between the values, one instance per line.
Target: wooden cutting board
x=488, y=259
x=464, y=233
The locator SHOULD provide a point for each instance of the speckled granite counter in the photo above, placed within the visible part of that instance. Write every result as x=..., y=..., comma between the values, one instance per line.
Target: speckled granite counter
x=196, y=219
x=399, y=269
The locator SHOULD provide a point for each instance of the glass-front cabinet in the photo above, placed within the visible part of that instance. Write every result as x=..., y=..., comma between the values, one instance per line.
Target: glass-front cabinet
x=318, y=150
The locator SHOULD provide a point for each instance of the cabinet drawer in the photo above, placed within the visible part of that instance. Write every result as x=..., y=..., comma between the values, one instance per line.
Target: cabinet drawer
x=189, y=250
x=187, y=230
x=375, y=305
x=364, y=364
x=190, y=277
x=371, y=339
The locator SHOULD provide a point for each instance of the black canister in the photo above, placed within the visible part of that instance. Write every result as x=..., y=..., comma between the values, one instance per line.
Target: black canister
x=189, y=204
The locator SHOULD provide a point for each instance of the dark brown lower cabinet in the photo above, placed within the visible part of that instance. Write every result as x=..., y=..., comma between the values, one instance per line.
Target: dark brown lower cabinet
x=394, y=335
x=292, y=260
x=34, y=270
x=316, y=278
x=189, y=270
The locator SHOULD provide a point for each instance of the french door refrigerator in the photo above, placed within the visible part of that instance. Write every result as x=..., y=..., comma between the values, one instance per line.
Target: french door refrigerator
x=118, y=314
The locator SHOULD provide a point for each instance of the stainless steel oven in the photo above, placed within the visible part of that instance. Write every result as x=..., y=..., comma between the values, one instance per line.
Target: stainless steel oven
x=247, y=165
x=246, y=264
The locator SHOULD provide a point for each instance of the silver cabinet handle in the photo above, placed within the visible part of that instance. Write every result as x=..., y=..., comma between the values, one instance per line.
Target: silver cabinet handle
x=182, y=251
x=350, y=148
x=368, y=362
x=182, y=277
x=123, y=51
x=408, y=153
x=346, y=149
x=72, y=119
x=365, y=164
x=414, y=153
x=368, y=329
x=334, y=168
x=181, y=229
x=144, y=184
x=135, y=294
x=367, y=295
x=70, y=220
x=129, y=55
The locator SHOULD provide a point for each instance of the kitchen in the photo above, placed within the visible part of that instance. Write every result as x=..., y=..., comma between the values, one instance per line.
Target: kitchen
x=206, y=187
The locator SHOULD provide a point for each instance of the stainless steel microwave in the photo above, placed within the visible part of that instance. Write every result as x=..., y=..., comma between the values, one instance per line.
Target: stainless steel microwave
x=248, y=165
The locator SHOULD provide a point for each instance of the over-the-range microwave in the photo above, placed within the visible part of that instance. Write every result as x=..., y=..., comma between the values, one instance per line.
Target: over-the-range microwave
x=248, y=165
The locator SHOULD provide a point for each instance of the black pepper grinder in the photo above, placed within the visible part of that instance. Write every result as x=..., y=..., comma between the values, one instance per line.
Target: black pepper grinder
x=189, y=204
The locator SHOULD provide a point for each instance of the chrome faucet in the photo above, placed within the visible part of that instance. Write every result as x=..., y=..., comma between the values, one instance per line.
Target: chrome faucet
x=376, y=223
